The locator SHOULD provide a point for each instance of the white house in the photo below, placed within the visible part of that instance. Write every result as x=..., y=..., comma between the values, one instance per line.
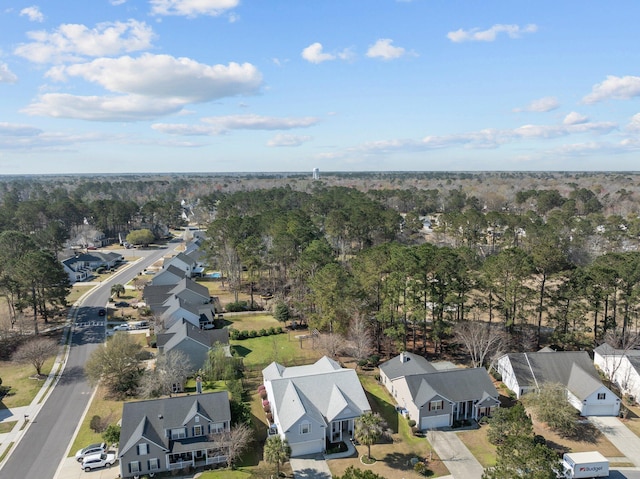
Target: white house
x=315, y=404
x=621, y=366
x=527, y=372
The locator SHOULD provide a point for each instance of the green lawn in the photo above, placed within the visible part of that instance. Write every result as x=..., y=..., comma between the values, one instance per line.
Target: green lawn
x=225, y=474
x=7, y=426
x=76, y=292
x=256, y=322
x=17, y=377
x=283, y=348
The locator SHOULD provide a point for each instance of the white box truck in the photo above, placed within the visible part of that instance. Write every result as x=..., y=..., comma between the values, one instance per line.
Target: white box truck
x=583, y=465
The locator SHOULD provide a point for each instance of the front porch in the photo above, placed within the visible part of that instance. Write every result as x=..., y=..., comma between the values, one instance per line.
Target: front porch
x=197, y=458
x=341, y=430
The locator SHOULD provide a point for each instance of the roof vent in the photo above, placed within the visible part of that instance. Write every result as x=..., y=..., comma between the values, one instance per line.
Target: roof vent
x=160, y=416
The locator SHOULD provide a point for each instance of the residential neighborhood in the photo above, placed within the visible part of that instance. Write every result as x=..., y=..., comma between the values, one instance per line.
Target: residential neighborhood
x=191, y=352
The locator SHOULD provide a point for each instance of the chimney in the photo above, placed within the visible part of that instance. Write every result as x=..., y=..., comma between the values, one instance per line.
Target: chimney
x=403, y=357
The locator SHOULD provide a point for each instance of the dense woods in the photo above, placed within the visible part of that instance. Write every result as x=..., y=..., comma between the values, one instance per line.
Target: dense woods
x=545, y=257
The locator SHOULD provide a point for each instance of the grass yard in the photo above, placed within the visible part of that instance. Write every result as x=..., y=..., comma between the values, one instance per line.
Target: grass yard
x=17, y=377
x=76, y=292
x=476, y=441
x=7, y=426
x=109, y=411
x=260, y=352
x=255, y=322
x=393, y=457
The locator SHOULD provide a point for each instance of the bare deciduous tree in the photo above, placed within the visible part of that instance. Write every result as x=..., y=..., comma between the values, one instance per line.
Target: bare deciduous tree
x=481, y=340
x=360, y=338
x=233, y=442
x=332, y=344
x=172, y=369
x=36, y=352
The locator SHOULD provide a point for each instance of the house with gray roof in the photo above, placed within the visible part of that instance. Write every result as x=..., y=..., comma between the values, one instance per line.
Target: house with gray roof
x=314, y=405
x=80, y=267
x=438, y=397
x=526, y=372
x=183, y=262
x=622, y=368
x=169, y=275
x=175, y=309
x=172, y=434
x=190, y=291
x=192, y=341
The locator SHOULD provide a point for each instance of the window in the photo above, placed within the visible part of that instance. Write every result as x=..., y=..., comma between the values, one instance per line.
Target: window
x=154, y=464
x=305, y=428
x=178, y=433
x=602, y=395
x=134, y=466
x=143, y=449
x=197, y=430
x=436, y=405
x=217, y=427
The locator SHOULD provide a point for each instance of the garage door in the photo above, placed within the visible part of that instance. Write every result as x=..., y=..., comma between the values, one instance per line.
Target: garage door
x=309, y=447
x=598, y=410
x=434, y=422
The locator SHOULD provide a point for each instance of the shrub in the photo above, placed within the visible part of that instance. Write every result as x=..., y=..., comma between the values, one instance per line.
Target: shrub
x=253, y=333
x=421, y=468
x=412, y=422
x=262, y=332
x=271, y=330
x=243, y=335
x=100, y=270
x=236, y=307
x=234, y=334
x=96, y=424
x=279, y=330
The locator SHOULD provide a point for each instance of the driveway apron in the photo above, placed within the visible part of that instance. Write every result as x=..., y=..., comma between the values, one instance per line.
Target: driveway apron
x=620, y=435
x=455, y=455
x=310, y=467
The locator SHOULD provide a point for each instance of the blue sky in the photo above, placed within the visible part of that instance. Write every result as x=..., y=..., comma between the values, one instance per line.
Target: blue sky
x=342, y=85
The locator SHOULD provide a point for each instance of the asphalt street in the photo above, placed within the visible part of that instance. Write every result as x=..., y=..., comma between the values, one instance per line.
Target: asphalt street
x=47, y=437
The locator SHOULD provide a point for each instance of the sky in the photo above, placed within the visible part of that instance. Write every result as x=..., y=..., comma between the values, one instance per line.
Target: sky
x=133, y=86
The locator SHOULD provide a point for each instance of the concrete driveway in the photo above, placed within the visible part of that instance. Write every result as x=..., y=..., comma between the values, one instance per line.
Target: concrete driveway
x=310, y=467
x=620, y=435
x=455, y=455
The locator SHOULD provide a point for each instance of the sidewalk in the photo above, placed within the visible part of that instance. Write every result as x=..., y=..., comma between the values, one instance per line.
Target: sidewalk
x=25, y=414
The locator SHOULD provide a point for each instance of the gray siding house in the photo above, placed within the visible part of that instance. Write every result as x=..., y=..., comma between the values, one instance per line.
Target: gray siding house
x=434, y=397
x=172, y=434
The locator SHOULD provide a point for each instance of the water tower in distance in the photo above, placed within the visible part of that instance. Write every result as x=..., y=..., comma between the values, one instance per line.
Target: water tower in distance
x=316, y=173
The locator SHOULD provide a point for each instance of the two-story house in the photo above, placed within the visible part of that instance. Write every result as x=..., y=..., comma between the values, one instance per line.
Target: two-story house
x=173, y=433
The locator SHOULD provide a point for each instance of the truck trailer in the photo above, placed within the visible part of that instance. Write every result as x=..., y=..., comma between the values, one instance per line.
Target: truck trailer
x=583, y=465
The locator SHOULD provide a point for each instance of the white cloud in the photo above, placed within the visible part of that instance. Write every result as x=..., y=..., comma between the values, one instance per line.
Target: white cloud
x=33, y=12
x=477, y=35
x=634, y=123
x=314, y=54
x=150, y=86
x=102, y=108
x=288, y=140
x=384, y=49
x=575, y=118
x=486, y=138
x=541, y=105
x=117, y=2
x=164, y=76
x=619, y=88
x=12, y=129
x=73, y=42
x=217, y=125
x=192, y=8
x=6, y=75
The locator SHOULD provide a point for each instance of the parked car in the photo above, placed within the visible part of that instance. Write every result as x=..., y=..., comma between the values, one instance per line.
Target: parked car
x=122, y=327
x=102, y=312
x=141, y=325
x=95, y=461
x=90, y=450
x=121, y=304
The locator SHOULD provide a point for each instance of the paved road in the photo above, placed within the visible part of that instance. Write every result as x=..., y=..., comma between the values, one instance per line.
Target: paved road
x=48, y=435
